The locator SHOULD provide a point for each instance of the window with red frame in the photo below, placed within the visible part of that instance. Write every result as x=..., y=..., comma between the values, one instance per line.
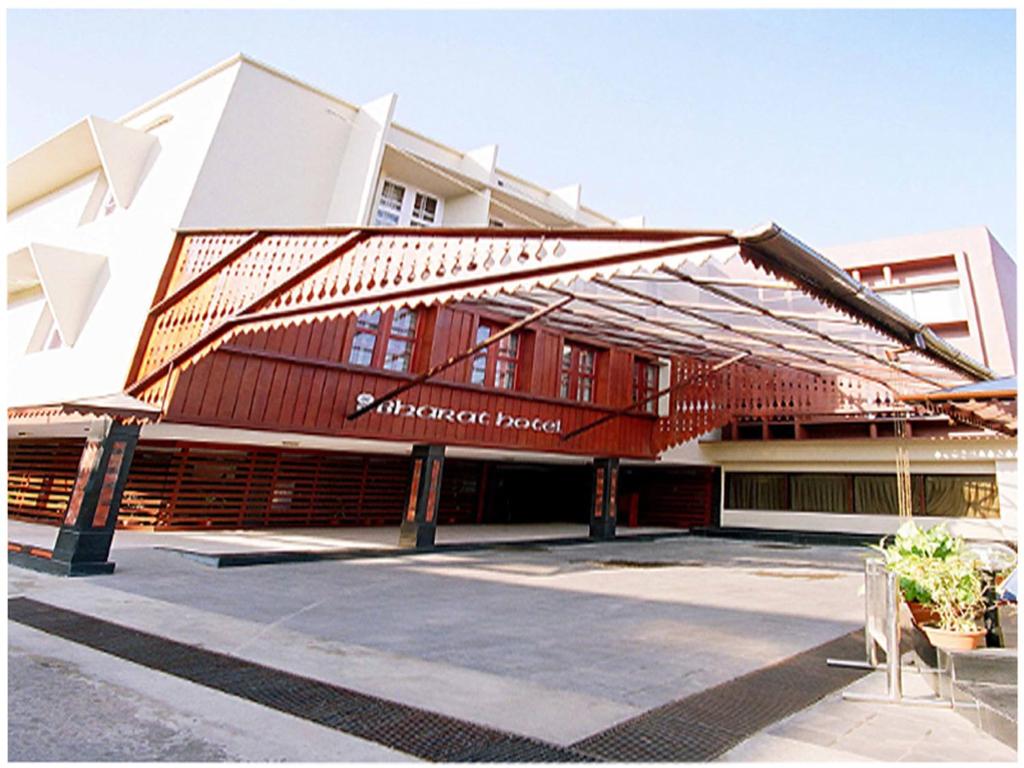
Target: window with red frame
x=579, y=364
x=384, y=340
x=645, y=384
x=498, y=365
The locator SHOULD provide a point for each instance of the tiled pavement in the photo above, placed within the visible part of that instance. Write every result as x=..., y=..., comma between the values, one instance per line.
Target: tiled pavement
x=552, y=644
x=848, y=731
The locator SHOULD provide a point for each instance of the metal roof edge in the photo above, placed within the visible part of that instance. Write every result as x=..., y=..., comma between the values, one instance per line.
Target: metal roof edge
x=791, y=255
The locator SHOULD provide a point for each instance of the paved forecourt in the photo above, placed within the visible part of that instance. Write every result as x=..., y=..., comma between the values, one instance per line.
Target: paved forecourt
x=552, y=645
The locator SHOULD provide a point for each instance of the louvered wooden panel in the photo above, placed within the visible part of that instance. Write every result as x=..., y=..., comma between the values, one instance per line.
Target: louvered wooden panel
x=194, y=486
x=460, y=492
x=671, y=498
x=40, y=478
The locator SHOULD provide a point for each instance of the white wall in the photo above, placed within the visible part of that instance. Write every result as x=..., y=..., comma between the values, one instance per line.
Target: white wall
x=136, y=242
x=52, y=215
x=275, y=158
x=23, y=314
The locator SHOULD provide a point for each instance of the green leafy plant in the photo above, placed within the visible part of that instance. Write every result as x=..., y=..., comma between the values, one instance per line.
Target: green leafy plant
x=910, y=548
x=956, y=587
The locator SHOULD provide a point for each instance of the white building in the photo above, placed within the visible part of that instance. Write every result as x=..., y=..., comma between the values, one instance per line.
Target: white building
x=94, y=211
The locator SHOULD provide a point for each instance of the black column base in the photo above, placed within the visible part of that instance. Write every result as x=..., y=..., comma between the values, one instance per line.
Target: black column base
x=57, y=567
x=413, y=535
x=82, y=547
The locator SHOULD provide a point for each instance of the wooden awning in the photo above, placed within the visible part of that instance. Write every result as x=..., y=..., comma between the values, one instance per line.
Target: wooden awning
x=988, y=404
x=117, y=405
x=710, y=293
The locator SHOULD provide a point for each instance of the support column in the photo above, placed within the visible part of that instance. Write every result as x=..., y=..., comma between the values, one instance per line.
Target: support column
x=602, y=508
x=420, y=522
x=83, y=543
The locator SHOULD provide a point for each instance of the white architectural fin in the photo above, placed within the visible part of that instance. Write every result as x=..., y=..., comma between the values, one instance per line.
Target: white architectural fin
x=123, y=153
x=352, y=200
x=632, y=222
x=481, y=161
x=90, y=143
x=569, y=195
x=71, y=282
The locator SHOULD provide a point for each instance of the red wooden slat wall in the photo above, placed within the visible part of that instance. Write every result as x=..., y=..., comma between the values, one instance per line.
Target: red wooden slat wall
x=671, y=497
x=40, y=477
x=295, y=379
x=189, y=486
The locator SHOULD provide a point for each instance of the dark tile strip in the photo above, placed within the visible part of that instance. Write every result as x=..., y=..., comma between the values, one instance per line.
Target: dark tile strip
x=705, y=725
x=698, y=728
x=836, y=538
x=417, y=732
x=273, y=557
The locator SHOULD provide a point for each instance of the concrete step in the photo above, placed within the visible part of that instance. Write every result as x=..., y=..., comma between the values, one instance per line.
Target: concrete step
x=984, y=689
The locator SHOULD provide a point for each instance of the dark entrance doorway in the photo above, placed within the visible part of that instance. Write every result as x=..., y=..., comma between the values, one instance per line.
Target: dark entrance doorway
x=512, y=493
x=533, y=493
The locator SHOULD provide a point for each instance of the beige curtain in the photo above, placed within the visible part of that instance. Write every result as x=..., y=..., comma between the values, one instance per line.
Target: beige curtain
x=819, y=493
x=961, y=496
x=755, y=491
x=876, y=495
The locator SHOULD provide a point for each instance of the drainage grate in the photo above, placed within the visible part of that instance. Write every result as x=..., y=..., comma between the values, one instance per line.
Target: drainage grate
x=427, y=735
x=698, y=728
x=705, y=725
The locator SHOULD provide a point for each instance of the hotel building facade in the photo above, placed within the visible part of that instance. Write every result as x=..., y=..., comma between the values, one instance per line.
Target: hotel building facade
x=249, y=303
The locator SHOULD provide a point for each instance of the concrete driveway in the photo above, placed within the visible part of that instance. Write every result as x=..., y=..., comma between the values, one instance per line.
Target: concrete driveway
x=550, y=643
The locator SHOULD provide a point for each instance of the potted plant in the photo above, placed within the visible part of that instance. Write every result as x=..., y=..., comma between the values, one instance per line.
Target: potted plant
x=956, y=585
x=912, y=546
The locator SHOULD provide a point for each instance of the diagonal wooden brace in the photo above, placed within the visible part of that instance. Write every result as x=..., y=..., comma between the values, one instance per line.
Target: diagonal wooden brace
x=455, y=359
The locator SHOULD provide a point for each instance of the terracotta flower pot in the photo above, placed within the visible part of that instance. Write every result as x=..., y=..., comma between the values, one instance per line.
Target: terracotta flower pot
x=955, y=641
x=923, y=613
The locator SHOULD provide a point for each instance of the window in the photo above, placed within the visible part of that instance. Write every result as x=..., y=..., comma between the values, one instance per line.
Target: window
x=578, y=365
x=498, y=365
x=398, y=356
x=384, y=340
x=757, y=491
x=365, y=341
x=645, y=385
x=930, y=305
x=973, y=496
x=400, y=205
x=961, y=496
x=424, y=210
x=389, y=209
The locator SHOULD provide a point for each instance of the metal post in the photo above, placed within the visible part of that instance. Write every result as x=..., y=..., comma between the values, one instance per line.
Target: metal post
x=882, y=596
x=894, y=680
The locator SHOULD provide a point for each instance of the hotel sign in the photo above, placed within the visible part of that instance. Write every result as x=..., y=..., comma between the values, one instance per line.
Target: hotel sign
x=429, y=412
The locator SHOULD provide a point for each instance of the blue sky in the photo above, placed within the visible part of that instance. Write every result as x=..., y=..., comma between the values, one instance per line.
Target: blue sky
x=839, y=125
